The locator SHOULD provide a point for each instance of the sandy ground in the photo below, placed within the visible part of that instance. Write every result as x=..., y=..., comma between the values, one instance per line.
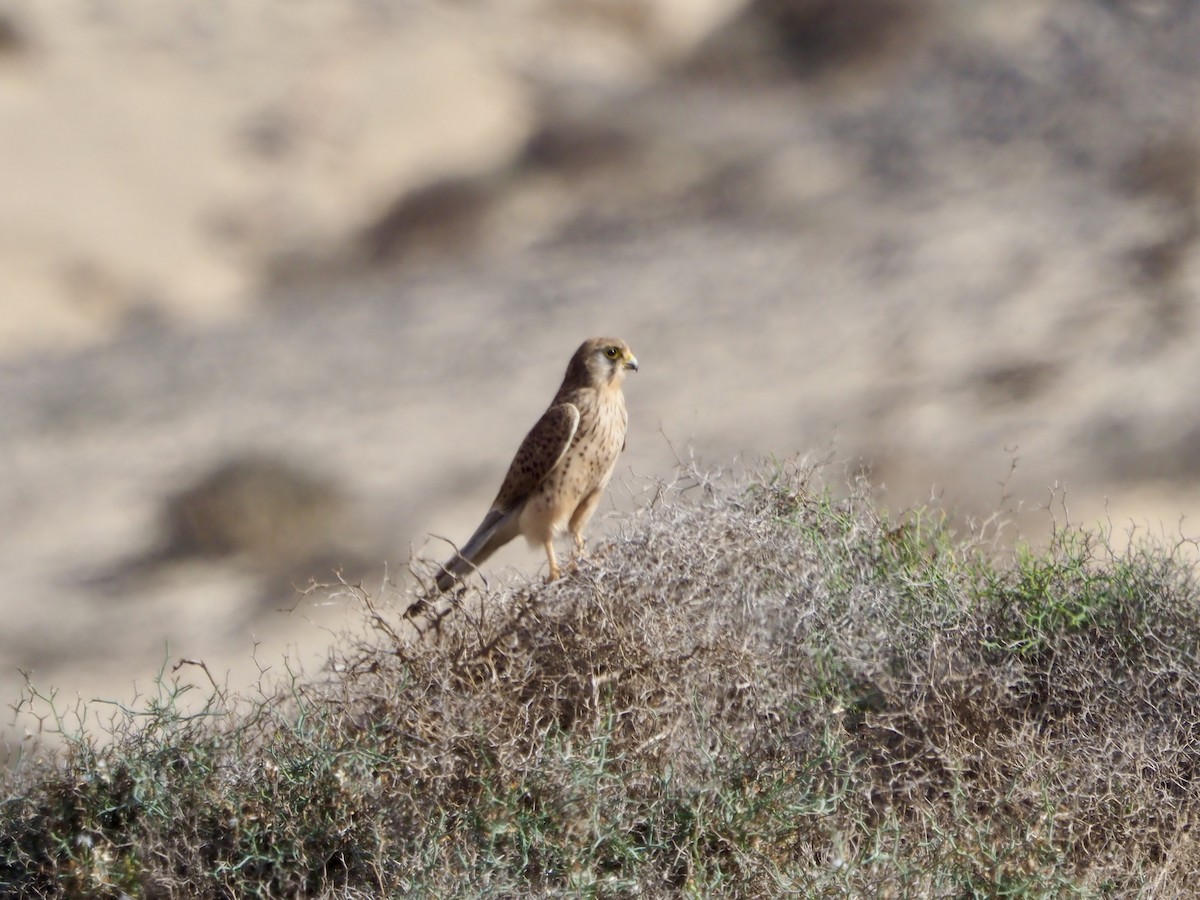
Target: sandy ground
x=980, y=249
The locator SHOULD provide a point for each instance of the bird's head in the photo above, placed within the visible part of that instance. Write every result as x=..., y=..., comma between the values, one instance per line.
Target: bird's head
x=603, y=361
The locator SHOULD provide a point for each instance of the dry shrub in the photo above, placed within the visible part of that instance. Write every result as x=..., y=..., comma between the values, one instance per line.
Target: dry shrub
x=1010, y=727
x=754, y=687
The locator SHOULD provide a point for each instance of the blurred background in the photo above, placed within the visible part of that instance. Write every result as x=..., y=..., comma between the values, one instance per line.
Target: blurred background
x=284, y=284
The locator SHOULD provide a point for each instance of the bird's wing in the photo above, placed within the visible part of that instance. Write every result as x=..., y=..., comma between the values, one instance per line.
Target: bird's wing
x=542, y=450
x=539, y=453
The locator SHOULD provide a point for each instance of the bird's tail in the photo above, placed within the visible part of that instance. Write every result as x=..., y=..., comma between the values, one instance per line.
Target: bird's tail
x=497, y=529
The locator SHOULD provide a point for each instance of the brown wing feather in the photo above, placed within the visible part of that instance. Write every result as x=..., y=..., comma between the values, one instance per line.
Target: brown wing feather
x=538, y=454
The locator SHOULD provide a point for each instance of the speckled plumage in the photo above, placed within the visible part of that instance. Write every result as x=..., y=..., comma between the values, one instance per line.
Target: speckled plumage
x=564, y=464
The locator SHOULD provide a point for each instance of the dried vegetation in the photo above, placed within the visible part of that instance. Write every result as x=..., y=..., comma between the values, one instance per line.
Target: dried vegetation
x=757, y=687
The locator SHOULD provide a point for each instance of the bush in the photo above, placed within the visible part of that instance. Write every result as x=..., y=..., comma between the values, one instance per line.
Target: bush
x=754, y=688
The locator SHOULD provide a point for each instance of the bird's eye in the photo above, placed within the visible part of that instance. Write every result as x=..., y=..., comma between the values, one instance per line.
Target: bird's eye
x=611, y=352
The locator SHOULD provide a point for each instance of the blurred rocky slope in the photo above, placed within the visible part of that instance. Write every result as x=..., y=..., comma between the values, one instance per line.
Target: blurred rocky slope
x=158, y=158
x=354, y=245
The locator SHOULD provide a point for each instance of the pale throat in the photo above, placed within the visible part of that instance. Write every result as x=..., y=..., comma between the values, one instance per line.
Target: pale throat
x=610, y=390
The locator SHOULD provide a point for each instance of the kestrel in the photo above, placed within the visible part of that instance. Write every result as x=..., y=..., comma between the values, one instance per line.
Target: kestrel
x=564, y=464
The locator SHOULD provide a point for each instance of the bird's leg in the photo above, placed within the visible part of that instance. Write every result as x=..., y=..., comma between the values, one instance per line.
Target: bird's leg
x=579, y=519
x=580, y=552
x=555, y=571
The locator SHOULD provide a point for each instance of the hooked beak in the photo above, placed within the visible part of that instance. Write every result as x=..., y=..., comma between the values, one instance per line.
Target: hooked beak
x=631, y=362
